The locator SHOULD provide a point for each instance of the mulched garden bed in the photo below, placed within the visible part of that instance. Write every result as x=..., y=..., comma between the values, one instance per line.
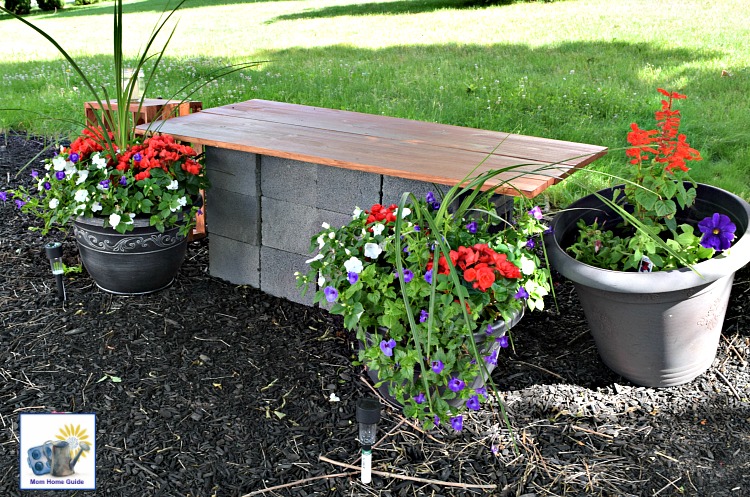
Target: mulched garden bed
x=227, y=391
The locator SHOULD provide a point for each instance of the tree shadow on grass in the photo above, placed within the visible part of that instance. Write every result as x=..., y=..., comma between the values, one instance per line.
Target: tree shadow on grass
x=381, y=8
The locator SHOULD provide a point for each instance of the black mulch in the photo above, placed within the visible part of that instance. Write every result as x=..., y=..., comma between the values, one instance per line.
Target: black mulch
x=226, y=391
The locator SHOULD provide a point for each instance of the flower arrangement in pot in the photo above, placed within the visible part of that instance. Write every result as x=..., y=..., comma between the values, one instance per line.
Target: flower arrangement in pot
x=130, y=197
x=653, y=259
x=431, y=293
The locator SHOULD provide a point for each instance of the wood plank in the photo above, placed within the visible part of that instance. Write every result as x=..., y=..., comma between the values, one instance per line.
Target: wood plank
x=431, y=152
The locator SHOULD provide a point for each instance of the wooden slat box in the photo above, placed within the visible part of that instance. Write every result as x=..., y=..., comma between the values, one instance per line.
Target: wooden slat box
x=278, y=171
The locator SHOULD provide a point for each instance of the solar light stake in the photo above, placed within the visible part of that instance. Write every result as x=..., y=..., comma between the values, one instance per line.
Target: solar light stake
x=368, y=415
x=54, y=254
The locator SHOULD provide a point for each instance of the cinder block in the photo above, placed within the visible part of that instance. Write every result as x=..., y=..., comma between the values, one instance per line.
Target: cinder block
x=234, y=261
x=278, y=267
x=285, y=179
x=233, y=215
x=341, y=190
x=288, y=226
x=233, y=171
x=394, y=187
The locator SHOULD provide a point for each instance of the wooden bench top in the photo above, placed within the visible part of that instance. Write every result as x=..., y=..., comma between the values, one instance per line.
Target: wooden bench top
x=435, y=153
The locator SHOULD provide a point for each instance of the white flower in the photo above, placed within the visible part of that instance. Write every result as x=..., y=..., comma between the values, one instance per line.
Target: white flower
x=316, y=258
x=377, y=228
x=356, y=213
x=334, y=398
x=82, y=176
x=80, y=208
x=131, y=217
x=172, y=185
x=321, y=280
x=332, y=235
x=54, y=203
x=353, y=265
x=81, y=196
x=114, y=220
x=347, y=251
x=98, y=161
x=58, y=163
x=527, y=266
x=182, y=201
x=321, y=242
x=96, y=207
x=405, y=212
x=325, y=226
x=372, y=250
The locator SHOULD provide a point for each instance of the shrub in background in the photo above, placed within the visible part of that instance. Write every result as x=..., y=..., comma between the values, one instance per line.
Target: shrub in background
x=19, y=7
x=50, y=4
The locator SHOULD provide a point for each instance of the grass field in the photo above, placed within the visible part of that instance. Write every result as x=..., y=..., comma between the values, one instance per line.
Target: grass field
x=579, y=70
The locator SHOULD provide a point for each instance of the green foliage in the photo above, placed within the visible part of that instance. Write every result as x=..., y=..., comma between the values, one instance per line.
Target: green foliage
x=86, y=2
x=50, y=4
x=20, y=7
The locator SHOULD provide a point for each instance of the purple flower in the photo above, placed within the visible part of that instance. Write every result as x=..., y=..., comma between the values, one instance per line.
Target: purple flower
x=387, y=347
x=428, y=276
x=137, y=157
x=530, y=244
x=472, y=227
x=430, y=197
x=457, y=423
x=456, y=385
x=437, y=366
x=473, y=403
x=408, y=275
x=436, y=205
x=491, y=359
x=419, y=398
x=74, y=157
x=20, y=203
x=521, y=293
x=104, y=183
x=489, y=329
x=417, y=228
x=352, y=277
x=423, y=315
x=549, y=230
x=536, y=213
x=4, y=196
x=503, y=341
x=481, y=391
x=718, y=232
x=124, y=181
x=331, y=293
x=437, y=421
x=199, y=212
x=34, y=173
x=47, y=185
x=60, y=175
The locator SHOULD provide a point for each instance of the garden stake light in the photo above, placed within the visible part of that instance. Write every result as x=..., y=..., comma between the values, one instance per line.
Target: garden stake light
x=54, y=254
x=127, y=75
x=368, y=415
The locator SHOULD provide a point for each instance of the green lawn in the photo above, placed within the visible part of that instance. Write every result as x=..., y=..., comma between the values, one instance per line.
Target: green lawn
x=579, y=70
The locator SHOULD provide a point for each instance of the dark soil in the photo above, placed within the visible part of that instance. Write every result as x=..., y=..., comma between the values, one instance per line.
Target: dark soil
x=227, y=391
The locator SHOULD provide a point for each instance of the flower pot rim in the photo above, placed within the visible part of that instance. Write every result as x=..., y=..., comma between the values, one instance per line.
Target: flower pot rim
x=684, y=278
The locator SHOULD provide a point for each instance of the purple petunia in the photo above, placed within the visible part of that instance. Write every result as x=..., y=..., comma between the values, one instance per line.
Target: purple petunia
x=536, y=213
x=437, y=421
x=430, y=197
x=473, y=403
x=489, y=329
x=387, y=347
x=4, y=196
x=137, y=157
x=503, y=341
x=419, y=398
x=20, y=203
x=331, y=293
x=491, y=359
x=60, y=175
x=104, y=183
x=481, y=391
x=457, y=423
x=472, y=227
x=417, y=228
x=456, y=384
x=124, y=181
x=530, y=243
x=34, y=173
x=423, y=315
x=521, y=293
x=436, y=205
x=718, y=232
x=47, y=185
x=352, y=277
x=437, y=366
x=428, y=276
x=74, y=157
x=408, y=275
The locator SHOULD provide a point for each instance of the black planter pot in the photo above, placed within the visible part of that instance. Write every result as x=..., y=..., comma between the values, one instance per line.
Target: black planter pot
x=138, y=262
x=656, y=329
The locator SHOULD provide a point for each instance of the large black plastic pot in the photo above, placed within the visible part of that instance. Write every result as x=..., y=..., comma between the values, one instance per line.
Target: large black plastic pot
x=140, y=261
x=662, y=328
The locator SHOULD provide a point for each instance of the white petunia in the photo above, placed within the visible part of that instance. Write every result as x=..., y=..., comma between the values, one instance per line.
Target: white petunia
x=81, y=196
x=405, y=212
x=377, y=228
x=54, y=203
x=321, y=242
x=172, y=185
x=372, y=250
x=332, y=235
x=98, y=161
x=96, y=207
x=58, y=163
x=353, y=265
x=82, y=176
x=356, y=213
x=321, y=280
x=316, y=258
x=182, y=201
x=114, y=220
x=325, y=226
x=527, y=266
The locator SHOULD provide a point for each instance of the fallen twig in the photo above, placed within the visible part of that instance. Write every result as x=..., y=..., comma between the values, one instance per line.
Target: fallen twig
x=298, y=482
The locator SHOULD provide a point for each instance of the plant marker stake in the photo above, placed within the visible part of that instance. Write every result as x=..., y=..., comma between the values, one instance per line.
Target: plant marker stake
x=54, y=254
x=368, y=415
